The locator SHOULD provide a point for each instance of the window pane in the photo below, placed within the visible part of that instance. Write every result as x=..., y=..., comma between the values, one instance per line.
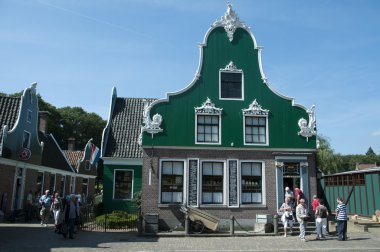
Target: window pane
x=262, y=139
x=207, y=119
x=255, y=121
x=231, y=85
x=208, y=130
x=262, y=121
x=255, y=139
x=178, y=168
x=207, y=138
x=123, y=185
x=200, y=138
x=262, y=131
x=215, y=120
x=249, y=139
x=215, y=129
x=201, y=119
x=245, y=169
x=215, y=138
x=201, y=129
x=248, y=120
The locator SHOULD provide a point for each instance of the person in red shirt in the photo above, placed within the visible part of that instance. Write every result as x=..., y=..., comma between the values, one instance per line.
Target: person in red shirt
x=315, y=203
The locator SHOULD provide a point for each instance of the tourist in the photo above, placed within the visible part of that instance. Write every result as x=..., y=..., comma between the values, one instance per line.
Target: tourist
x=287, y=215
x=321, y=214
x=45, y=202
x=302, y=218
x=341, y=216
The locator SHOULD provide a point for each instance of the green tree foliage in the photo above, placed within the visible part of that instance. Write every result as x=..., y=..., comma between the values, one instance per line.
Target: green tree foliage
x=327, y=161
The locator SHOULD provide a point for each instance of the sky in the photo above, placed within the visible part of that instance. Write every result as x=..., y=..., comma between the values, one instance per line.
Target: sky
x=322, y=53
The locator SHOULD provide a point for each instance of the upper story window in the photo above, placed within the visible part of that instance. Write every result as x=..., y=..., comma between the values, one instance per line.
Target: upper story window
x=26, y=140
x=255, y=125
x=29, y=116
x=172, y=181
x=208, y=120
x=231, y=83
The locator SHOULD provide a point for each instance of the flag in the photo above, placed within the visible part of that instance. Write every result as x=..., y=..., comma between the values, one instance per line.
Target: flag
x=95, y=155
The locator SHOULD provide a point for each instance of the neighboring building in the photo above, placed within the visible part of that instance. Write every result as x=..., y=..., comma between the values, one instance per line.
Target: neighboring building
x=227, y=143
x=364, y=199
x=85, y=165
x=30, y=158
x=121, y=153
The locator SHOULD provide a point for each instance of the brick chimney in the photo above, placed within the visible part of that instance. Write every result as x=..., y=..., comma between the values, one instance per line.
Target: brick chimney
x=43, y=125
x=71, y=144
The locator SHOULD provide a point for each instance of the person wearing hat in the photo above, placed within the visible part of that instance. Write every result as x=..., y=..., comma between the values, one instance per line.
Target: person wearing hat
x=45, y=202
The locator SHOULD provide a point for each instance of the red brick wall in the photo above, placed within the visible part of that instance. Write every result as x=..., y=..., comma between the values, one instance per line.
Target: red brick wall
x=172, y=215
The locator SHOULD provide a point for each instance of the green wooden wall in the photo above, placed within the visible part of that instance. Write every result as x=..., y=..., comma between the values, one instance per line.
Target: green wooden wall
x=365, y=199
x=178, y=113
x=109, y=203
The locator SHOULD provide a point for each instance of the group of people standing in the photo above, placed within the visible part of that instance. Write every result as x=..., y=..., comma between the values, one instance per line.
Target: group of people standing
x=66, y=211
x=295, y=209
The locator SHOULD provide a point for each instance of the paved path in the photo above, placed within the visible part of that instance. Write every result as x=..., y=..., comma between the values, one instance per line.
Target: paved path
x=34, y=238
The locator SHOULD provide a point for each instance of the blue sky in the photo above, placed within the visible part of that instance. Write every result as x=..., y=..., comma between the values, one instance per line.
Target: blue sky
x=325, y=53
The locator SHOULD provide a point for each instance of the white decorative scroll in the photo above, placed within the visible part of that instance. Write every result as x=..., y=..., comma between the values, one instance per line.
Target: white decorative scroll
x=255, y=109
x=231, y=68
x=230, y=22
x=208, y=108
x=308, y=129
x=279, y=164
x=151, y=126
x=304, y=164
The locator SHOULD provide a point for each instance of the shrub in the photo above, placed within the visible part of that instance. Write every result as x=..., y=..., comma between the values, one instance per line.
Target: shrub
x=117, y=220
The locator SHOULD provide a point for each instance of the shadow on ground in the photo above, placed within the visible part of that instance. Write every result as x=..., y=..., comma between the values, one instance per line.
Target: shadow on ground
x=44, y=239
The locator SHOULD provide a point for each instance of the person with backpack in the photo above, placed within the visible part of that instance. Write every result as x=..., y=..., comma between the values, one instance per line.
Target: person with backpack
x=321, y=214
x=45, y=202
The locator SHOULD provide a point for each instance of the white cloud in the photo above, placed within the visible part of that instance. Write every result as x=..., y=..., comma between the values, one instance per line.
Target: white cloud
x=376, y=133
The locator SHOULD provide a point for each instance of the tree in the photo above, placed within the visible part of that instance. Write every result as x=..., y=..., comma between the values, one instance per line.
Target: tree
x=327, y=161
x=370, y=152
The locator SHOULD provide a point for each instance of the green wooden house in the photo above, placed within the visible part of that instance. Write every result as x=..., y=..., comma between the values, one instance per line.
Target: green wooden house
x=121, y=153
x=227, y=143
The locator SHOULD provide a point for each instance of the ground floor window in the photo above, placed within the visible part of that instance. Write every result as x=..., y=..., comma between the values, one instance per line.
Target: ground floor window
x=52, y=183
x=212, y=182
x=251, y=183
x=39, y=183
x=123, y=184
x=172, y=181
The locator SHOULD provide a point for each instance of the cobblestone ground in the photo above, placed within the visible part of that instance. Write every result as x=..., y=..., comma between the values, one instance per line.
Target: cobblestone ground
x=33, y=237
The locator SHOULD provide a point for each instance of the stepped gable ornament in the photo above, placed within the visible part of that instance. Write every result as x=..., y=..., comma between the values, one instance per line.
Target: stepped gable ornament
x=255, y=109
x=230, y=22
x=151, y=126
x=308, y=129
x=208, y=108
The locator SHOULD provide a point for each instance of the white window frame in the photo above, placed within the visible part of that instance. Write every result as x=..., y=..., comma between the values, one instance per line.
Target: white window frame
x=266, y=131
x=219, y=129
x=263, y=184
x=184, y=189
x=224, y=198
x=29, y=116
x=114, y=180
x=231, y=68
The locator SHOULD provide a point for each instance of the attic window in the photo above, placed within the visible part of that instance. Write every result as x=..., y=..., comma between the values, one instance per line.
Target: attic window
x=231, y=82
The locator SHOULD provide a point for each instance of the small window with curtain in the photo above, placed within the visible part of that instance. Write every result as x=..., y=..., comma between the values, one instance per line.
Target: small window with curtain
x=172, y=182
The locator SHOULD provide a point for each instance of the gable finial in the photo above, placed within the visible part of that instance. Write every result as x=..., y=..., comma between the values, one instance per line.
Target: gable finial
x=230, y=22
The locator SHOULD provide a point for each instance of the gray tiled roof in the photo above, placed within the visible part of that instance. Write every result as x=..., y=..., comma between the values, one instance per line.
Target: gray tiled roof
x=9, y=108
x=125, y=128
